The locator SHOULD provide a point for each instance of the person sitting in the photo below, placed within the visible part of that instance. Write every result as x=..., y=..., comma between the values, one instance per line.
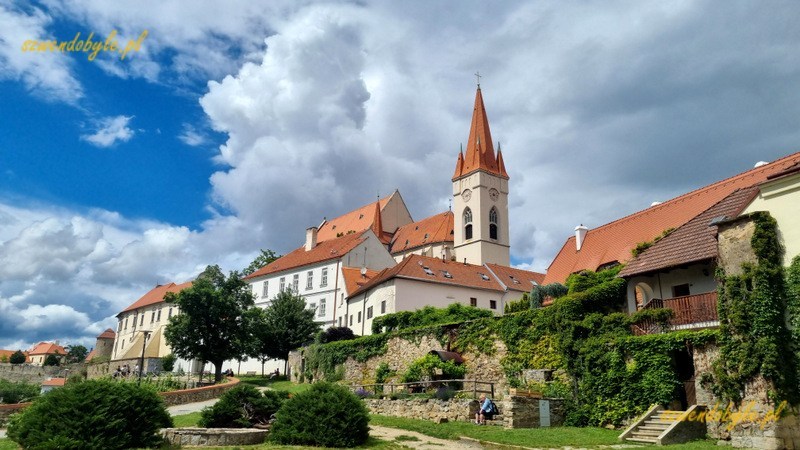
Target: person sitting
x=487, y=410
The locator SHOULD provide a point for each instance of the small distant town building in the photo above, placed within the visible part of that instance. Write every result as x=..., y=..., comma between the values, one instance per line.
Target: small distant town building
x=38, y=355
x=103, y=347
x=52, y=383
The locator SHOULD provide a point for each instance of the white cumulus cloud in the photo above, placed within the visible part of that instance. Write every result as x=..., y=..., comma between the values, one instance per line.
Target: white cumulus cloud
x=110, y=130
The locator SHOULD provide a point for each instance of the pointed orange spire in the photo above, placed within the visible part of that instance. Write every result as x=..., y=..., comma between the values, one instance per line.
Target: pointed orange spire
x=500, y=165
x=459, y=164
x=480, y=152
x=377, y=223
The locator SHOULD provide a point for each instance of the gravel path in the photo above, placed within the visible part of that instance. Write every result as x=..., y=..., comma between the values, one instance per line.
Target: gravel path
x=422, y=442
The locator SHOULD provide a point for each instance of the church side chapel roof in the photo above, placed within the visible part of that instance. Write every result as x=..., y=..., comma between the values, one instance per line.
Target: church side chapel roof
x=433, y=229
x=355, y=221
x=323, y=251
x=436, y=270
x=692, y=242
x=353, y=278
x=156, y=295
x=516, y=279
x=480, y=153
x=614, y=241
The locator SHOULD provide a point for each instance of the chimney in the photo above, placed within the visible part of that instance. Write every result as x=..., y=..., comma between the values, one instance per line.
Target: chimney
x=580, y=235
x=311, y=238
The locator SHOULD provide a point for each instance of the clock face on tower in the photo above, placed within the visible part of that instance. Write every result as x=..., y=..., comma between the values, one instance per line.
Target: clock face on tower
x=493, y=194
x=466, y=195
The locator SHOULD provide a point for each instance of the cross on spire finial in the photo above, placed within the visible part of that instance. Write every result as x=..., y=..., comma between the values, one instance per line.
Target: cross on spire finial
x=478, y=76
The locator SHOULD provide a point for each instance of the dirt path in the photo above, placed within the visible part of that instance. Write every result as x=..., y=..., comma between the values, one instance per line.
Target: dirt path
x=419, y=440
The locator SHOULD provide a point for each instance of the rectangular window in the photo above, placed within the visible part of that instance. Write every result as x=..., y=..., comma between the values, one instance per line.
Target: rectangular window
x=473, y=302
x=369, y=312
x=296, y=282
x=680, y=290
x=309, y=279
x=152, y=317
x=265, y=289
x=492, y=304
x=134, y=322
x=119, y=327
x=122, y=344
x=321, y=311
x=324, y=281
x=141, y=320
x=383, y=307
x=340, y=321
x=351, y=320
x=282, y=287
x=169, y=313
x=158, y=317
x=359, y=317
x=312, y=306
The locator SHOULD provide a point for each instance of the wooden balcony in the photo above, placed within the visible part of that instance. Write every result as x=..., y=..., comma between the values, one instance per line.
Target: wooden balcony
x=690, y=311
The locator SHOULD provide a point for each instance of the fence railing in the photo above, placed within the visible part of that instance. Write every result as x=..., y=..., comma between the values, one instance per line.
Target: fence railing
x=474, y=386
x=687, y=310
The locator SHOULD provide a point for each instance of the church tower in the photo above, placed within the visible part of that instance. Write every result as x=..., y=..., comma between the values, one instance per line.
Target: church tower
x=480, y=196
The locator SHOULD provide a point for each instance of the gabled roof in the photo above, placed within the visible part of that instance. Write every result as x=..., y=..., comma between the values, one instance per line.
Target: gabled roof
x=433, y=229
x=435, y=270
x=8, y=353
x=353, y=278
x=324, y=251
x=47, y=348
x=353, y=222
x=614, y=241
x=516, y=279
x=692, y=242
x=156, y=295
x=480, y=149
x=91, y=355
x=108, y=334
x=54, y=382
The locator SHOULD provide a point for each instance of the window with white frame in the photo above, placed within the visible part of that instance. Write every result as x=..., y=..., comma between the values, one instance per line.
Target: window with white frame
x=324, y=281
x=321, y=309
x=312, y=306
x=296, y=283
x=282, y=286
x=309, y=279
x=152, y=317
x=265, y=289
x=158, y=316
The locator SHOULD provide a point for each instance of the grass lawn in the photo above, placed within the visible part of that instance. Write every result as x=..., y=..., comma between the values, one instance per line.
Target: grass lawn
x=527, y=437
x=280, y=384
x=8, y=444
x=184, y=421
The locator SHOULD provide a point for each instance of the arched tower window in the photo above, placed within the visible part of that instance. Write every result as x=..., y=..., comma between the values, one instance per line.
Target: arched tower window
x=493, y=223
x=467, y=224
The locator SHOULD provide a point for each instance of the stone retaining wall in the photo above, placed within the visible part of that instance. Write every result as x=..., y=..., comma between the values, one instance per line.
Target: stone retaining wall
x=213, y=437
x=526, y=412
x=30, y=373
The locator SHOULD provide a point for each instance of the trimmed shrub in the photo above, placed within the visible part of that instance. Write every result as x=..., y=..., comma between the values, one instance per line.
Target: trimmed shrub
x=168, y=362
x=94, y=414
x=242, y=407
x=17, y=357
x=334, y=334
x=325, y=415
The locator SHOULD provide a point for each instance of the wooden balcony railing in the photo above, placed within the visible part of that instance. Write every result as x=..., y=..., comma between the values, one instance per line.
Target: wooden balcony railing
x=687, y=310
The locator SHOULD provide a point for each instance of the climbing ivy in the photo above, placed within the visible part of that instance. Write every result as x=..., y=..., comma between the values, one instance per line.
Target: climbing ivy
x=754, y=338
x=427, y=316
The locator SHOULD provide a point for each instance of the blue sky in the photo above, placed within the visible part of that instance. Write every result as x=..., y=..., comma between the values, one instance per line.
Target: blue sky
x=237, y=126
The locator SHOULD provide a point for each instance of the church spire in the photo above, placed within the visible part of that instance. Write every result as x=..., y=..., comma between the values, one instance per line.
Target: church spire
x=480, y=151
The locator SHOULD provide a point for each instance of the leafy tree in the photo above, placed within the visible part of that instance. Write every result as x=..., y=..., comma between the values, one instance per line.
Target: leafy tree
x=168, y=362
x=214, y=324
x=17, y=357
x=266, y=257
x=4, y=359
x=52, y=360
x=262, y=345
x=76, y=353
x=288, y=325
x=334, y=334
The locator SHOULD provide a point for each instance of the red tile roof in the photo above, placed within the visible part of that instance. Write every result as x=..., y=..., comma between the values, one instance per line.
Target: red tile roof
x=47, y=348
x=91, y=355
x=480, y=149
x=324, y=251
x=614, y=241
x=108, y=334
x=353, y=278
x=8, y=353
x=692, y=242
x=516, y=279
x=434, y=229
x=414, y=268
x=354, y=221
x=156, y=295
x=54, y=382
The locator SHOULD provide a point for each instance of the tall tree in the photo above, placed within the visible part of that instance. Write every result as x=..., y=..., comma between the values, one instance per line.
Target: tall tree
x=215, y=322
x=288, y=324
x=17, y=357
x=76, y=353
x=266, y=257
x=263, y=340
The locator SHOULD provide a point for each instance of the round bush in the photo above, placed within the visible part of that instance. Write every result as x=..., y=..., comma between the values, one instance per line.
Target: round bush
x=96, y=414
x=325, y=415
x=242, y=407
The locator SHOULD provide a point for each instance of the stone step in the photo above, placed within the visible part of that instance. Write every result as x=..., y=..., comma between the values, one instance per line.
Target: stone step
x=651, y=428
x=641, y=432
x=642, y=440
x=657, y=423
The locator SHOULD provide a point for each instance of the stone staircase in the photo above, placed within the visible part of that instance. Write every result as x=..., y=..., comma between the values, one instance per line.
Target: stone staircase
x=659, y=426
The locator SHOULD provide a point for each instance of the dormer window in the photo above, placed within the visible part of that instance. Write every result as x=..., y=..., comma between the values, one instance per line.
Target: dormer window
x=484, y=277
x=428, y=270
x=446, y=274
